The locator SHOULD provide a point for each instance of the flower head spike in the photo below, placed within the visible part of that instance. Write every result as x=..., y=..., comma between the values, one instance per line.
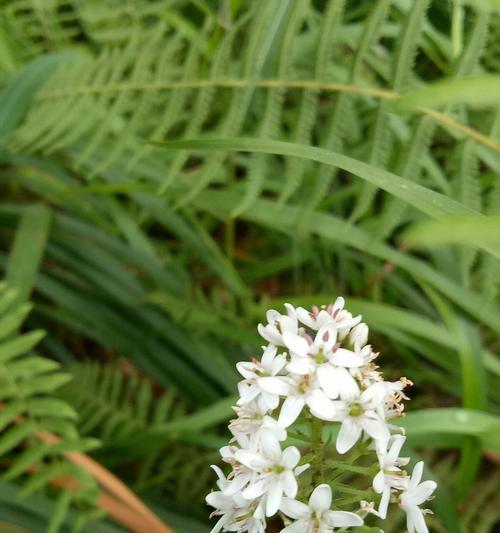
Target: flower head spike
x=316, y=517
x=318, y=370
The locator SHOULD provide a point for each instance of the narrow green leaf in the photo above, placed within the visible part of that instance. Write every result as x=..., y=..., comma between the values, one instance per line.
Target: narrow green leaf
x=20, y=345
x=471, y=229
x=28, y=248
x=480, y=91
x=16, y=97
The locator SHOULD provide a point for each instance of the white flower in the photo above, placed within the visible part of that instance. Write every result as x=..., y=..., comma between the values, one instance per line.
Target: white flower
x=334, y=312
x=359, y=336
x=270, y=365
x=360, y=413
x=249, y=429
x=317, y=516
x=237, y=513
x=320, y=359
x=278, y=324
x=275, y=474
x=414, y=495
x=299, y=391
x=390, y=474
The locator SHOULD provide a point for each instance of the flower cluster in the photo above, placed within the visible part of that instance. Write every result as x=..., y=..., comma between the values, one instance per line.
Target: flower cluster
x=317, y=367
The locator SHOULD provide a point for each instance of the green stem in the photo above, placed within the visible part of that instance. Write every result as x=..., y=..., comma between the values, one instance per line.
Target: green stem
x=317, y=450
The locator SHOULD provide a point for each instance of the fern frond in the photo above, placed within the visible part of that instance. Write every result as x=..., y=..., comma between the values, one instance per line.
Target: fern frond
x=411, y=164
x=308, y=107
x=114, y=403
x=29, y=410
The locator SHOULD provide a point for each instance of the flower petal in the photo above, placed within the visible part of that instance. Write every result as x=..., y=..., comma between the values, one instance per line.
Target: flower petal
x=346, y=358
x=296, y=527
x=268, y=356
x=348, y=435
x=274, y=495
x=275, y=385
x=375, y=427
x=416, y=475
x=293, y=508
x=342, y=519
x=423, y=492
x=295, y=343
x=329, y=379
x=290, y=486
x=374, y=395
x=320, y=405
x=301, y=366
x=321, y=498
x=290, y=457
x=290, y=410
x=255, y=490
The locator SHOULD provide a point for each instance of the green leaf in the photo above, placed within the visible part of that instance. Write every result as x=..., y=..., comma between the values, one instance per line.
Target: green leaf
x=50, y=407
x=20, y=345
x=470, y=229
x=17, y=96
x=28, y=248
x=453, y=421
x=480, y=91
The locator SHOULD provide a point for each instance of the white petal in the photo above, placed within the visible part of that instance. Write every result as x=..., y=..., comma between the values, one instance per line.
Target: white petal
x=376, y=428
x=349, y=389
x=348, y=435
x=277, y=365
x=342, y=519
x=300, y=526
x=295, y=343
x=416, y=475
x=320, y=405
x=219, y=501
x=290, y=457
x=274, y=495
x=339, y=304
x=275, y=385
x=270, y=445
x=422, y=493
x=293, y=508
x=221, y=523
x=236, y=484
x=246, y=369
x=379, y=482
x=255, y=490
x=415, y=521
x=270, y=334
x=300, y=469
x=301, y=366
x=290, y=310
x=384, y=503
x=328, y=378
x=268, y=355
x=290, y=410
x=321, y=498
x=305, y=317
x=252, y=460
x=346, y=358
x=374, y=395
x=397, y=443
x=290, y=486
x=288, y=324
x=328, y=331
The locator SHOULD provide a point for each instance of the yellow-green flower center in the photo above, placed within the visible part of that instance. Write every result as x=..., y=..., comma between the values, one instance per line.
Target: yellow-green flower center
x=355, y=409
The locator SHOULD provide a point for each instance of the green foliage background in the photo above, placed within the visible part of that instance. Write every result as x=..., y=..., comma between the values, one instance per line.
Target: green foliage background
x=303, y=149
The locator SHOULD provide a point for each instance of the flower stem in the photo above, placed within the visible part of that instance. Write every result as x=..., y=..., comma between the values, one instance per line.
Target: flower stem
x=317, y=448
